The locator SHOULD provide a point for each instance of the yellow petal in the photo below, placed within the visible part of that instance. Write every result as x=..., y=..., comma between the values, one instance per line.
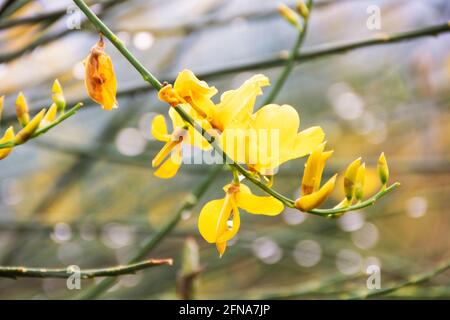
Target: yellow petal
x=170, y=167
x=251, y=203
x=315, y=199
x=306, y=141
x=221, y=247
x=197, y=93
x=214, y=215
x=236, y=106
x=276, y=127
x=7, y=136
x=310, y=173
x=159, y=128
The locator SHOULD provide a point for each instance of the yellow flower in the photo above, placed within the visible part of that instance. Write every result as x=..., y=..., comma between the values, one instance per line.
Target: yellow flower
x=312, y=194
x=383, y=169
x=189, y=89
x=100, y=80
x=219, y=220
x=168, y=159
x=22, y=110
x=272, y=138
x=7, y=136
x=236, y=106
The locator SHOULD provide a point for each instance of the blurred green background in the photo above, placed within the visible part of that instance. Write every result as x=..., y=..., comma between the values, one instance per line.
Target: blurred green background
x=85, y=194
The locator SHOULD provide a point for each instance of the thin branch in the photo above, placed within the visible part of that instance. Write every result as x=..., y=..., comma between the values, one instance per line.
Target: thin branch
x=148, y=245
x=413, y=280
x=332, y=213
x=290, y=62
x=25, y=272
x=41, y=131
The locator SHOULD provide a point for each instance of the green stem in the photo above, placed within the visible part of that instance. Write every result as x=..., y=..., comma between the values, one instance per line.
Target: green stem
x=190, y=201
x=290, y=63
x=37, y=133
x=101, y=27
x=25, y=272
x=332, y=213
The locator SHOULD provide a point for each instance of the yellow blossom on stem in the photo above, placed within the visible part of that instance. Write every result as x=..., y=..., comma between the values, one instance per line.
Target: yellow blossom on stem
x=168, y=160
x=22, y=110
x=219, y=220
x=24, y=134
x=312, y=194
x=100, y=80
x=383, y=169
x=7, y=137
x=58, y=96
x=236, y=106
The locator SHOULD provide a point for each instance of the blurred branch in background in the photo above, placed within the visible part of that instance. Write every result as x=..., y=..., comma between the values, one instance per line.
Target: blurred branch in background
x=413, y=280
x=25, y=272
x=50, y=37
x=148, y=245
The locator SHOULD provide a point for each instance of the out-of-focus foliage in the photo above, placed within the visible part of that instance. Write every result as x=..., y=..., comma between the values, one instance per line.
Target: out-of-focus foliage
x=85, y=194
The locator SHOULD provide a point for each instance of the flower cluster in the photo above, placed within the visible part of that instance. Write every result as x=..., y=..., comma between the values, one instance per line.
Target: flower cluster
x=39, y=124
x=261, y=140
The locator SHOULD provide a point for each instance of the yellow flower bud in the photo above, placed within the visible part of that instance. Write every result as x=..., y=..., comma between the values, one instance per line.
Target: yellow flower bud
x=359, y=183
x=350, y=178
x=8, y=136
x=313, y=200
x=383, y=169
x=22, y=110
x=302, y=9
x=50, y=115
x=100, y=80
x=58, y=96
x=289, y=15
x=25, y=134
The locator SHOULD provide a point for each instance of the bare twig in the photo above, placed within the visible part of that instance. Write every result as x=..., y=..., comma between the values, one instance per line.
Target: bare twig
x=25, y=272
